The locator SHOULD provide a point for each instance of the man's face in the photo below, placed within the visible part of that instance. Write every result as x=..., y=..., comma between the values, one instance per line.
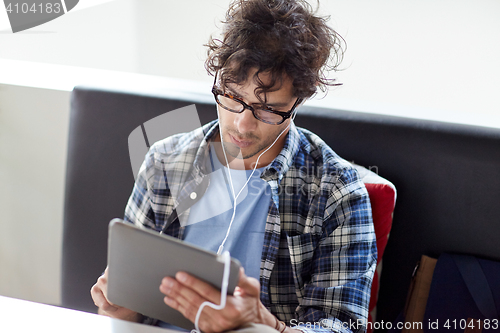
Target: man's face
x=243, y=132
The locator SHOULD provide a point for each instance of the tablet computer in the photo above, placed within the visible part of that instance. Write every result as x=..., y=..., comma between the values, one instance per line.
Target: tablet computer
x=138, y=259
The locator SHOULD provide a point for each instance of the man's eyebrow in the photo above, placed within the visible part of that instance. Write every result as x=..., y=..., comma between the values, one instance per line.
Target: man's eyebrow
x=232, y=92
x=275, y=105
x=278, y=104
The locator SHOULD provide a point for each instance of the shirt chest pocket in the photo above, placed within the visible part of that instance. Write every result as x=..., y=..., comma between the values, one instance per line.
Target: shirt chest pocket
x=302, y=248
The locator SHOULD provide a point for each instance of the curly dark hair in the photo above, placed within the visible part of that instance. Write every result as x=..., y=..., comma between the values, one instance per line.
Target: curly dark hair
x=277, y=37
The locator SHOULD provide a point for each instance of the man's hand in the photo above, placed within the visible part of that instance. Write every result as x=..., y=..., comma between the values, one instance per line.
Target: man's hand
x=106, y=308
x=185, y=293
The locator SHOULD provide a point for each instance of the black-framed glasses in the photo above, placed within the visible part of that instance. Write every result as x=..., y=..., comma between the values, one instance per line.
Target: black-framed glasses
x=259, y=111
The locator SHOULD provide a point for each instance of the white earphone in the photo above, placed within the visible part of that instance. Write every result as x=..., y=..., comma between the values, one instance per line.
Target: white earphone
x=235, y=197
x=225, y=255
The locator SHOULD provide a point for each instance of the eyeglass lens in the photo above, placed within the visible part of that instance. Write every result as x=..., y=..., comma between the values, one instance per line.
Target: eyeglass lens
x=261, y=114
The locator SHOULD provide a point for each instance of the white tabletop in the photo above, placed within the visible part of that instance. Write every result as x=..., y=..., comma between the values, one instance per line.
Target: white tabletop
x=23, y=316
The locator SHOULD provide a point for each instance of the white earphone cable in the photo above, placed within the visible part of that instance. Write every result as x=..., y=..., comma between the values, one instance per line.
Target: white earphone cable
x=225, y=255
x=225, y=278
x=221, y=247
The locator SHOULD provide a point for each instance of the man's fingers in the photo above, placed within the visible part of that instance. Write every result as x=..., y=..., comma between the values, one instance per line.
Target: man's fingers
x=186, y=293
x=210, y=320
x=186, y=300
x=99, y=294
x=248, y=285
x=186, y=308
x=205, y=290
x=101, y=301
x=181, y=298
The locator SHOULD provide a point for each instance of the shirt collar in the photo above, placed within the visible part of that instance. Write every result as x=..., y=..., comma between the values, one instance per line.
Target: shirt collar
x=278, y=167
x=208, y=131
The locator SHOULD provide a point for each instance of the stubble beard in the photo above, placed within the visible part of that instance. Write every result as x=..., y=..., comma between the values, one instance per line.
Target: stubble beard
x=236, y=152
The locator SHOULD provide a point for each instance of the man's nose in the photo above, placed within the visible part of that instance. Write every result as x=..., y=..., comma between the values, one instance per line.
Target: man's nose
x=245, y=121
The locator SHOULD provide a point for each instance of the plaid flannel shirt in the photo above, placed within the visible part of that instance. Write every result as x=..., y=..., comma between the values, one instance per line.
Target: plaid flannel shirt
x=319, y=253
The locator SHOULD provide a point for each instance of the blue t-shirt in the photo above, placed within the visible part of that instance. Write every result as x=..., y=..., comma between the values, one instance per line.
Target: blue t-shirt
x=209, y=218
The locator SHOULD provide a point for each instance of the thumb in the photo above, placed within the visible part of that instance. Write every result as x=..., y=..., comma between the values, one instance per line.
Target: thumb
x=248, y=285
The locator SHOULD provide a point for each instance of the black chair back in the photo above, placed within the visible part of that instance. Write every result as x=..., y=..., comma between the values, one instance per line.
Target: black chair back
x=447, y=176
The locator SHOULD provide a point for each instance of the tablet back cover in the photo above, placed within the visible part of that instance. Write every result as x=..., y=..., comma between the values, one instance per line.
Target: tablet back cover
x=138, y=259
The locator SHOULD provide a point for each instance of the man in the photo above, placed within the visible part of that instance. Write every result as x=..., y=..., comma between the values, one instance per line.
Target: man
x=303, y=232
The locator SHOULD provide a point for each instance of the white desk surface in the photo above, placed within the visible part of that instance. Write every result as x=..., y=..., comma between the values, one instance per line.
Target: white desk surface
x=24, y=316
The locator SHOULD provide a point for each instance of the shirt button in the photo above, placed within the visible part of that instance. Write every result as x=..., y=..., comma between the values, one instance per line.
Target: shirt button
x=193, y=195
